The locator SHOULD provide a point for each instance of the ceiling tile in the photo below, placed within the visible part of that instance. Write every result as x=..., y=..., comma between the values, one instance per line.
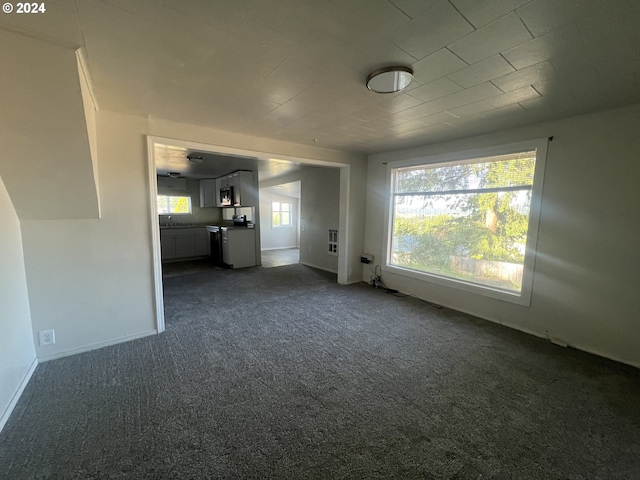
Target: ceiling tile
x=473, y=94
x=397, y=103
x=481, y=12
x=413, y=8
x=437, y=65
x=295, y=71
x=59, y=23
x=494, y=38
x=260, y=44
x=471, y=109
x=435, y=106
x=407, y=115
x=435, y=28
x=545, y=47
x=216, y=12
x=366, y=53
x=515, y=96
x=542, y=16
x=492, y=67
x=523, y=78
x=369, y=113
x=291, y=19
x=436, y=89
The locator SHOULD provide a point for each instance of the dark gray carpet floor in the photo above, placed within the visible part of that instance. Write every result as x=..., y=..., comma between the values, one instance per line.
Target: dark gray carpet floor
x=282, y=373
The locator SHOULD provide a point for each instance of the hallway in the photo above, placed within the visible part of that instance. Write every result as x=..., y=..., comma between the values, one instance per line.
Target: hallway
x=280, y=257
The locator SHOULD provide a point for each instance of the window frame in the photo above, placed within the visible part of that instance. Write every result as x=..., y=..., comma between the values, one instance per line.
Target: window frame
x=190, y=212
x=524, y=296
x=290, y=212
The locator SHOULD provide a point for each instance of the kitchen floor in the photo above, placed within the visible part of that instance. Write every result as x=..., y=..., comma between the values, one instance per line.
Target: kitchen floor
x=175, y=269
x=278, y=258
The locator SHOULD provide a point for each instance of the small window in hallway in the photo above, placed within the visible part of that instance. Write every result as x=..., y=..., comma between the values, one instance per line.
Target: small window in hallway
x=281, y=214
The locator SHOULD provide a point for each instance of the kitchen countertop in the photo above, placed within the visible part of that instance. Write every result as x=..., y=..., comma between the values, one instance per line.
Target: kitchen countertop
x=184, y=225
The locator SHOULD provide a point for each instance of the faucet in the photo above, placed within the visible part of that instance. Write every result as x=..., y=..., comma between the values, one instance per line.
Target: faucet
x=169, y=219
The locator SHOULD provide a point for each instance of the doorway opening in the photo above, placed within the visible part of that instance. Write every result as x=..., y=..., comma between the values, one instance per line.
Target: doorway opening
x=273, y=162
x=280, y=224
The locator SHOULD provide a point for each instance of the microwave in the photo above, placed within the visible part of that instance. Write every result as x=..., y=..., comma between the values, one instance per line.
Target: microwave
x=226, y=197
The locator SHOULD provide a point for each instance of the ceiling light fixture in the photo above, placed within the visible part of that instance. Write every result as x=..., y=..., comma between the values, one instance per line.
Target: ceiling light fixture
x=195, y=158
x=389, y=79
x=173, y=174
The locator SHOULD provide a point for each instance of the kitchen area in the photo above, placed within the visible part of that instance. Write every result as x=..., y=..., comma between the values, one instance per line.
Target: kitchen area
x=208, y=223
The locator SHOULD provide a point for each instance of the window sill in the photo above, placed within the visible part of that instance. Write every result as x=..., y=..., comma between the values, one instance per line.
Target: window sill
x=519, y=298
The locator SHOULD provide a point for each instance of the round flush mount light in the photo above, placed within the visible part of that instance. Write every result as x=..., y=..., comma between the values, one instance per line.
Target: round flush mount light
x=389, y=79
x=195, y=158
x=173, y=174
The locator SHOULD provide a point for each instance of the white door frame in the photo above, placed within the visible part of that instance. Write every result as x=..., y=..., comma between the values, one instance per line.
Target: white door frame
x=152, y=140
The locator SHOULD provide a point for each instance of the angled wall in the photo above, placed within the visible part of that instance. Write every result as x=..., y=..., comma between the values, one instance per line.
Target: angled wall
x=17, y=354
x=47, y=168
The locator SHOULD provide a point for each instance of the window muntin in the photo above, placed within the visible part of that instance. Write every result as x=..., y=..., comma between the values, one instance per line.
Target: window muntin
x=468, y=223
x=173, y=204
x=281, y=214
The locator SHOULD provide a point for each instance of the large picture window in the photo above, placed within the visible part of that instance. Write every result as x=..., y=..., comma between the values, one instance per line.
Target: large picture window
x=469, y=221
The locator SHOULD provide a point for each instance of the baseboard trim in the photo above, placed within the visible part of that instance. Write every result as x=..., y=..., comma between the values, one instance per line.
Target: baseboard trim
x=96, y=346
x=18, y=393
x=319, y=268
x=544, y=335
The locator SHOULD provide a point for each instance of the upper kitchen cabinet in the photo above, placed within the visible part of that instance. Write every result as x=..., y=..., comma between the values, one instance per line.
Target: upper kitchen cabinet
x=209, y=192
x=171, y=183
x=236, y=189
x=244, y=189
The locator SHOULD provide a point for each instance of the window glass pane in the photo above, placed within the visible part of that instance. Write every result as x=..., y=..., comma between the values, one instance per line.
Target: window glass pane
x=504, y=171
x=173, y=204
x=281, y=214
x=163, y=205
x=478, y=235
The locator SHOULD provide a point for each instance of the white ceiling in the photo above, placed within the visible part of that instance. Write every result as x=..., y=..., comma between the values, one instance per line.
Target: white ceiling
x=294, y=70
x=174, y=159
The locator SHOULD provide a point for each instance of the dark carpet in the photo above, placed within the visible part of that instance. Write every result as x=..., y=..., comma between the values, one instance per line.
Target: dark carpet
x=282, y=373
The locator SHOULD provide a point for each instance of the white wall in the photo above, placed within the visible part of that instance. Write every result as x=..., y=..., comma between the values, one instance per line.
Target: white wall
x=91, y=280
x=17, y=353
x=587, y=272
x=274, y=238
x=319, y=212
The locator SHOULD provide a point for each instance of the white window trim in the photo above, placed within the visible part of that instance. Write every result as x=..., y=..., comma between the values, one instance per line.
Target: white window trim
x=522, y=298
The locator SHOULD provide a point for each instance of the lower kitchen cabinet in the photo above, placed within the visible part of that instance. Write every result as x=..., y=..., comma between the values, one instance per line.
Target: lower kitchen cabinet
x=180, y=243
x=239, y=247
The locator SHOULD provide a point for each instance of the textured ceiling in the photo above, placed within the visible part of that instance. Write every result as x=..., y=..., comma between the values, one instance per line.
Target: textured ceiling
x=174, y=159
x=294, y=70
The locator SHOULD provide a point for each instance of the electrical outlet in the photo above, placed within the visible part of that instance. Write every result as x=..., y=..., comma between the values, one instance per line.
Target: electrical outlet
x=47, y=337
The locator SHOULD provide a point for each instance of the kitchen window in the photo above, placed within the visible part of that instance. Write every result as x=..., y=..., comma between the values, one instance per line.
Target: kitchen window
x=468, y=220
x=169, y=204
x=281, y=214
